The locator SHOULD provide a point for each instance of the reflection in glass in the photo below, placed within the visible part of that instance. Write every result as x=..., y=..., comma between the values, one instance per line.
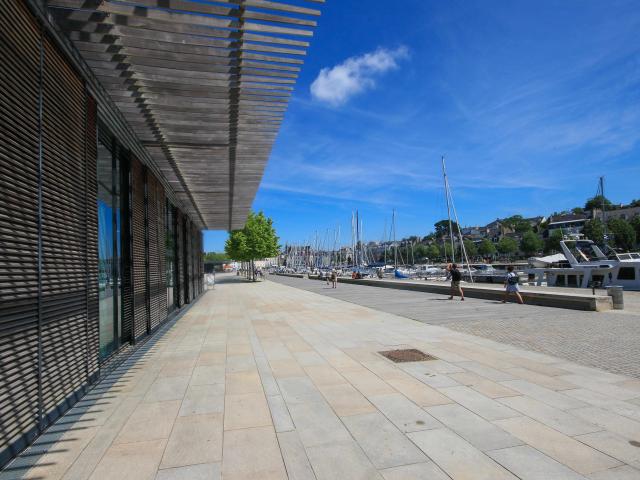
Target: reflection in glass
x=108, y=251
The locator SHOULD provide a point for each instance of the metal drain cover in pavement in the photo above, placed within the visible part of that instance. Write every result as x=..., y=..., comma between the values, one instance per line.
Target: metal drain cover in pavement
x=407, y=355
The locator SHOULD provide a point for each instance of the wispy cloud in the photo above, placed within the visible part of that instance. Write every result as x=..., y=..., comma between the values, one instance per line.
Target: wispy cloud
x=336, y=85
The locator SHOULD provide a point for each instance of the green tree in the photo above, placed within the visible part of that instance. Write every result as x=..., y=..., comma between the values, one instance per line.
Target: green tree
x=531, y=243
x=471, y=248
x=486, y=248
x=635, y=223
x=433, y=252
x=215, y=257
x=420, y=251
x=429, y=237
x=577, y=210
x=255, y=241
x=552, y=243
x=507, y=246
x=596, y=202
x=236, y=246
x=594, y=230
x=442, y=228
x=624, y=236
x=634, y=203
x=517, y=223
x=446, y=251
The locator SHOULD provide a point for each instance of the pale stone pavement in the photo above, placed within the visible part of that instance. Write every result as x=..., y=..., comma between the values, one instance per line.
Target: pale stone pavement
x=264, y=381
x=608, y=340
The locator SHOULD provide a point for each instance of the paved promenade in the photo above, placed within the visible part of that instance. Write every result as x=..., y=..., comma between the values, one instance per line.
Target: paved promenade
x=264, y=381
x=607, y=340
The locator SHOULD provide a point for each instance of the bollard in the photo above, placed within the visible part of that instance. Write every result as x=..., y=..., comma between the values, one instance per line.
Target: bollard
x=616, y=294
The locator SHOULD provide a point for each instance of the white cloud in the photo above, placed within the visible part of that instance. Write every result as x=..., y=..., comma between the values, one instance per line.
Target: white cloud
x=337, y=84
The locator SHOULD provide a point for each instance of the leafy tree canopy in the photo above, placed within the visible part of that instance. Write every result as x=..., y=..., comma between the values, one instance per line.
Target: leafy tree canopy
x=596, y=202
x=486, y=248
x=624, y=235
x=420, y=251
x=635, y=223
x=552, y=243
x=470, y=248
x=446, y=250
x=594, y=230
x=507, y=246
x=236, y=246
x=429, y=238
x=433, y=251
x=517, y=223
x=215, y=257
x=255, y=241
x=531, y=243
x=442, y=228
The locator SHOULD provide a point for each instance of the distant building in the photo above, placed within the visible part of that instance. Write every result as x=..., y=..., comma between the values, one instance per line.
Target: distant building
x=626, y=213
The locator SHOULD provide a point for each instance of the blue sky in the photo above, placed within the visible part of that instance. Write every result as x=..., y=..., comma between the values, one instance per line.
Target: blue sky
x=529, y=101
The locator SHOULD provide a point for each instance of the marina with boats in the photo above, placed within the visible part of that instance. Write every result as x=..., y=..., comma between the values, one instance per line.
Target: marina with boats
x=576, y=262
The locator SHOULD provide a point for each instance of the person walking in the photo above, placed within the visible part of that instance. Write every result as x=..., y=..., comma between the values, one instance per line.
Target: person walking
x=456, y=278
x=334, y=278
x=511, y=285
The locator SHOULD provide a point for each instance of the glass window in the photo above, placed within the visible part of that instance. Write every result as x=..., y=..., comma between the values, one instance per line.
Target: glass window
x=626, y=273
x=109, y=250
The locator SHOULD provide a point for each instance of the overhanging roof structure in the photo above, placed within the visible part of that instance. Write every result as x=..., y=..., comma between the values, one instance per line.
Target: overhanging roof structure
x=204, y=84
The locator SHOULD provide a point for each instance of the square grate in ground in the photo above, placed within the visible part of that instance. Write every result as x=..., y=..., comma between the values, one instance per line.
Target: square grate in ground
x=407, y=355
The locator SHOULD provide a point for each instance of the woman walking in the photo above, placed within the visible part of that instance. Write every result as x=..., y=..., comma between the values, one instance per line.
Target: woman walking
x=334, y=278
x=511, y=285
x=456, y=278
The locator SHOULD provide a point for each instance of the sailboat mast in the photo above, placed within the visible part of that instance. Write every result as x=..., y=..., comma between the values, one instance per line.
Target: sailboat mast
x=353, y=243
x=339, y=255
x=604, y=214
x=462, y=247
x=395, y=245
x=384, y=241
x=446, y=194
x=358, y=237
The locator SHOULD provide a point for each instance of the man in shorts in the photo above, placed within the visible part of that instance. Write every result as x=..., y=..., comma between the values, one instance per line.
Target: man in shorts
x=456, y=277
x=511, y=285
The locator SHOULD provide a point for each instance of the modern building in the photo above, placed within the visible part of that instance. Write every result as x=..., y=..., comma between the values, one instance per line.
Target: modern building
x=126, y=128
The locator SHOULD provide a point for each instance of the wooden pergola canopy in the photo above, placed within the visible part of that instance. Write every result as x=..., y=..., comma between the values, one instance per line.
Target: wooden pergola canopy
x=204, y=85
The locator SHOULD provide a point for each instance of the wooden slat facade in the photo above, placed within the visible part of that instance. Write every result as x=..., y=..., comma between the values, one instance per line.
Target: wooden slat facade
x=19, y=228
x=204, y=88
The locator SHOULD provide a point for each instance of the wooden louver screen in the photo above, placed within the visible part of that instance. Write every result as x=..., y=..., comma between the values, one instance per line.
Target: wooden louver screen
x=138, y=248
x=19, y=173
x=48, y=232
x=64, y=269
x=155, y=232
x=180, y=258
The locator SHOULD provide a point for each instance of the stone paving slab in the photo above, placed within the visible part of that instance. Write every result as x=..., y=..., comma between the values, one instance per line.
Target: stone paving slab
x=607, y=340
x=265, y=381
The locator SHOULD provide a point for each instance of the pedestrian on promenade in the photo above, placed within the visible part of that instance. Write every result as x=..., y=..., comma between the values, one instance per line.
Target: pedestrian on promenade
x=511, y=285
x=456, y=277
x=334, y=278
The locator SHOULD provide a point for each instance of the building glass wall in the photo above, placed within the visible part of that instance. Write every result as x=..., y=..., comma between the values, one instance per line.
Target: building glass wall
x=109, y=250
x=170, y=256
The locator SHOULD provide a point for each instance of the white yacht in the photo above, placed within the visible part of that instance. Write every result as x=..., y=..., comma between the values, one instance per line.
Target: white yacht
x=583, y=264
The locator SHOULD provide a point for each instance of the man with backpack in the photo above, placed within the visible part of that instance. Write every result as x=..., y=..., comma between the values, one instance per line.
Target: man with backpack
x=456, y=277
x=511, y=285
